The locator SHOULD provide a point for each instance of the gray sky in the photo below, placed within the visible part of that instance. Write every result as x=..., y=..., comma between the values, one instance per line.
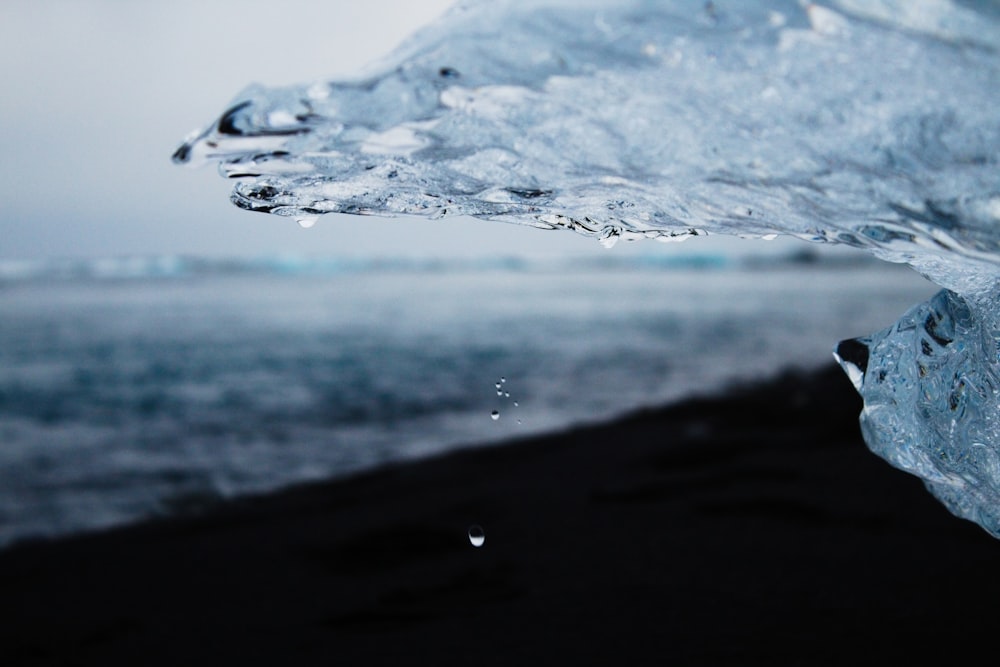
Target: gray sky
x=98, y=93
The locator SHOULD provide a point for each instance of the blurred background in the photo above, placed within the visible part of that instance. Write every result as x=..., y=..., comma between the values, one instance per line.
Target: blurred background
x=160, y=349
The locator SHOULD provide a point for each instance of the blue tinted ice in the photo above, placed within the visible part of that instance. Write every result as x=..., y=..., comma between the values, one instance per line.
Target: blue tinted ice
x=869, y=123
x=930, y=386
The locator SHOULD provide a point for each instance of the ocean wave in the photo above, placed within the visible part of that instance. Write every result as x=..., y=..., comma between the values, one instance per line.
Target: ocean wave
x=174, y=267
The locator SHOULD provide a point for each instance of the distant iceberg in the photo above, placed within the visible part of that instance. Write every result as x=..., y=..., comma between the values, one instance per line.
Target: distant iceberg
x=872, y=124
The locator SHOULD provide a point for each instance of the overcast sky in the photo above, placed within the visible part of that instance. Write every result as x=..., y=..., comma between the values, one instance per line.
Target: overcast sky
x=97, y=95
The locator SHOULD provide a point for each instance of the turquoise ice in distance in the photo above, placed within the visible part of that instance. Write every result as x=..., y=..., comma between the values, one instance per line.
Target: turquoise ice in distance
x=871, y=123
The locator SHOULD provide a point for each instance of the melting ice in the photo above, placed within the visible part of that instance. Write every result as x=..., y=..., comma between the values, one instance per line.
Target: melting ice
x=872, y=124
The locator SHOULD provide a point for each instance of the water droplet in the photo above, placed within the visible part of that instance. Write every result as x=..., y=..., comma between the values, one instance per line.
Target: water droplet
x=495, y=415
x=476, y=536
x=308, y=221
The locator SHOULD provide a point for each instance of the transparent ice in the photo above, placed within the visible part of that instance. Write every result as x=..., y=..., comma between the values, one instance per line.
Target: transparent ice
x=872, y=123
x=930, y=386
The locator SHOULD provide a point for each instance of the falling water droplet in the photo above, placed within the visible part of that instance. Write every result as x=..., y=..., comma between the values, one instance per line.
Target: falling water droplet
x=476, y=536
x=495, y=415
x=308, y=221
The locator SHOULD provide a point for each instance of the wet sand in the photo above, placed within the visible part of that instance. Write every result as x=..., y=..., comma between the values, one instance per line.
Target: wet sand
x=750, y=529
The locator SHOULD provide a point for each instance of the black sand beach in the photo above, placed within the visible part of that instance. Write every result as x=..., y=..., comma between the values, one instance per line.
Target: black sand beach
x=750, y=529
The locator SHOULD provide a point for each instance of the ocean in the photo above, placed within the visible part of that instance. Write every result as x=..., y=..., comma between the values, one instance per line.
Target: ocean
x=138, y=388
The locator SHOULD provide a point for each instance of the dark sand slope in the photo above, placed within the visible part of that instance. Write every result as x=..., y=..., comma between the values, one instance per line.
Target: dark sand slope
x=755, y=529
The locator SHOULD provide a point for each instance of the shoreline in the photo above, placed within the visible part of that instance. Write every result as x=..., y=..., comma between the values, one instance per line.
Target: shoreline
x=750, y=528
x=202, y=504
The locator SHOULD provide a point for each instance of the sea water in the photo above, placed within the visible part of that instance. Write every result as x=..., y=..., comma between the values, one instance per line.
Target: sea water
x=130, y=389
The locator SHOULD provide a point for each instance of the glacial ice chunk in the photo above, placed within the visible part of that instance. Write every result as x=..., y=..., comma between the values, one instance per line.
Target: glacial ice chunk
x=931, y=389
x=873, y=124
x=633, y=119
